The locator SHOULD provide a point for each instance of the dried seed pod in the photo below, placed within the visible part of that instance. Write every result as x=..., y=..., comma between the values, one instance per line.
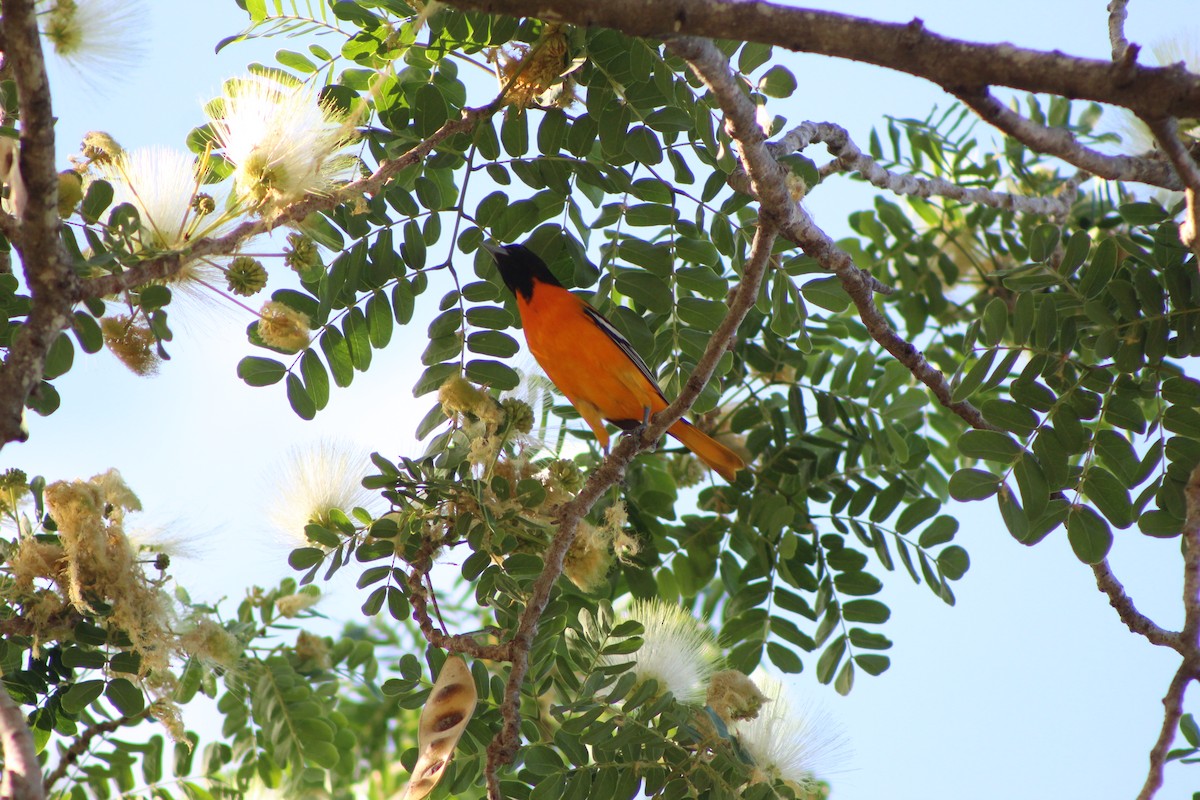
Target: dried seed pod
x=443, y=720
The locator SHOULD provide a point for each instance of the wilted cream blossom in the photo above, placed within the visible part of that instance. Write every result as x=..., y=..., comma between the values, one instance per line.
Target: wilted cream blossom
x=313, y=481
x=282, y=141
x=677, y=650
x=787, y=743
x=93, y=36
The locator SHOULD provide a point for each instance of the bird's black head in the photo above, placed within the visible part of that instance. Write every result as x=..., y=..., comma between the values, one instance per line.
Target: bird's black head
x=520, y=267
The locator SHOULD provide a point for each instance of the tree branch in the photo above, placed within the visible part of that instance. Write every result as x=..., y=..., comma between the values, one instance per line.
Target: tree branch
x=1060, y=143
x=168, y=264
x=1166, y=132
x=851, y=159
x=1188, y=639
x=909, y=48
x=1117, y=14
x=1137, y=622
x=795, y=225
x=503, y=747
x=51, y=281
x=84, y=741
x=22, y=778
x=1173, y=710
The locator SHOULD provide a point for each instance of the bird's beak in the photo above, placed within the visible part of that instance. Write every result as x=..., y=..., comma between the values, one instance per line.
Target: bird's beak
x=494, y=248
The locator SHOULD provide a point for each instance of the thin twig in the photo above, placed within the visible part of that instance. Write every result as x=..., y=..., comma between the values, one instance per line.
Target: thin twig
x=1117, y=14
x=84, y=741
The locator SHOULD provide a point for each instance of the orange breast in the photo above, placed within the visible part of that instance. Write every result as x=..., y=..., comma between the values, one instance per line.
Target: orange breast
x=582, y=361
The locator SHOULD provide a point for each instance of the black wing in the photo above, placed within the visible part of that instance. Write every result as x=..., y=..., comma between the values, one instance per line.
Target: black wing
x=623, y=343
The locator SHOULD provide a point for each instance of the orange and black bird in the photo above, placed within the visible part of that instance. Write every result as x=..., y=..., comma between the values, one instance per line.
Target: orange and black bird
x=590, y=361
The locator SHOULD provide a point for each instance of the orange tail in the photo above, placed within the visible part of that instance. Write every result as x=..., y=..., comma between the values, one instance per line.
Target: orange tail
x=717, y=456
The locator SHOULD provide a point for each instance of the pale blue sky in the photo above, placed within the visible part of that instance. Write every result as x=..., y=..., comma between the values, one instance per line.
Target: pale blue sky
x=1029, y=687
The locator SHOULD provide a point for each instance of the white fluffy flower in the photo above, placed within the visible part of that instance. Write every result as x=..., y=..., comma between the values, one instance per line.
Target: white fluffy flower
x=162, y=184
x=315, y=480
x=93, y=36
x=280, y=139
x=677, y=650
x=787, y=743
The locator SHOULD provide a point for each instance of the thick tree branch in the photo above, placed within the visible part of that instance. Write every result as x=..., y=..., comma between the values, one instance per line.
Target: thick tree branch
x=851, y=159
x=909, y=48
x=22, y=775
x=1060, y=143
x=51, y=281
x=1166, y=132
x=711, y=65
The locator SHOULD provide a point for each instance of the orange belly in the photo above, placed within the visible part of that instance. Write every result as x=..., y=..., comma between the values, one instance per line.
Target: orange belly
x=584, y=363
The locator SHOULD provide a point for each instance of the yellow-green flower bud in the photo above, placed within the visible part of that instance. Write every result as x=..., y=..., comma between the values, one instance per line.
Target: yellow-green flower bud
x=302, y=255
x=246, y=276
x=566, y=474
x=204, y=204
x=518, y=413
x=14, y=479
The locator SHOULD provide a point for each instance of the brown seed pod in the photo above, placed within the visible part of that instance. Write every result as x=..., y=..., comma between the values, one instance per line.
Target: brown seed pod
x=445, y=716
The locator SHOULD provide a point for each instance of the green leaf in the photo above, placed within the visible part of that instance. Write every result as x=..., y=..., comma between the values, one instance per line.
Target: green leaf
x=995, y=322
x=973, y=484
x=299, y=398
x=873, y=664
x=784, y=658
x=98, y=198
x=778, y=82
x=826, y=293
x=642, y=144
x=81, y=695
x=493, y=343
x=1099, y=272
x=973, y=378
x=827, y=664
x=752, y=56
x=127, y=698
x=316, y=378
x=337, y=354
x=953, y=562
x=989, y=445
x=1089, y=534
x=871, y=611
x=59, y=358
x=492, y=373
x=259, y=371
x=153, y=297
